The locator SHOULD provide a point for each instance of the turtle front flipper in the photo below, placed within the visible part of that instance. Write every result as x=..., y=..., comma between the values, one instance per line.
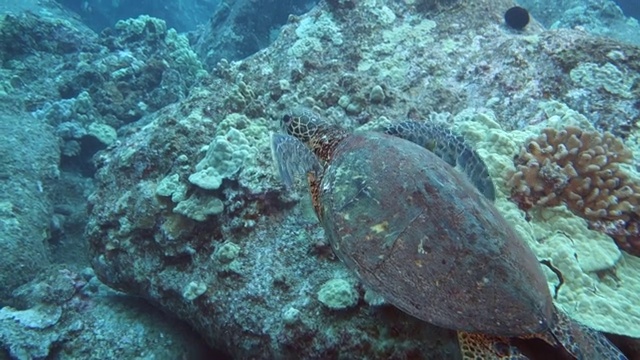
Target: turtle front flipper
x=485, y=347
x=450, y=147
x=581, y=341
x=292, y=158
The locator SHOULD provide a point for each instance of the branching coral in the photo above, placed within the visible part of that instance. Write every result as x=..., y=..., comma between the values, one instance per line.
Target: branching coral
x=581, y=169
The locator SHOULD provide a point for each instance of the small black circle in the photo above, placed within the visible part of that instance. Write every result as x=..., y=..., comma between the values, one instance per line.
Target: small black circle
x=517, y=17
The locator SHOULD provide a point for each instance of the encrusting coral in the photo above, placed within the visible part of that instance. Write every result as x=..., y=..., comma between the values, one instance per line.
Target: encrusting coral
x=581, y=169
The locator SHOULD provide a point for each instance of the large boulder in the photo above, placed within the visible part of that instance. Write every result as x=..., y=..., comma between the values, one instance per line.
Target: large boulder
x=189, y=215
x=30, y=155
x=240, y=28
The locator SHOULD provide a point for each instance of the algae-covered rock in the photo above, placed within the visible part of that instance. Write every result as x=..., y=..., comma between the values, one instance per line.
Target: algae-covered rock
x=199, y=206
x=62, y=310
x=230, y=21
x=430, y=64
x=30, y=154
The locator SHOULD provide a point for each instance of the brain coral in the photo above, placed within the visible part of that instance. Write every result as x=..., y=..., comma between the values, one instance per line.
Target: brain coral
x=581, y=169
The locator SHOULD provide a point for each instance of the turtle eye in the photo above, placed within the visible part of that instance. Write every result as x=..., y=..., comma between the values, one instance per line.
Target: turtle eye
x=287, y=124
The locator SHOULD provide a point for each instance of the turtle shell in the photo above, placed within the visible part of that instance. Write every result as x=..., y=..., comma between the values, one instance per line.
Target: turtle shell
x=418, y=233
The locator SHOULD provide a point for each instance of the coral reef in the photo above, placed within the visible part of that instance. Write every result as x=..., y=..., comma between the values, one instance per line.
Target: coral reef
x=62, y=313
x=264, y=302
x=598, y=276
x=232, y=254
x=581, y=169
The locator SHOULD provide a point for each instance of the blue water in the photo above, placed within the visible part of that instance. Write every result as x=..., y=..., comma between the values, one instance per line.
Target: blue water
x=630, y=7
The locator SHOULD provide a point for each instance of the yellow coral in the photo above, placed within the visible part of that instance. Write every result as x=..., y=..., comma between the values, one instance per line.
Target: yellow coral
x=581, y=169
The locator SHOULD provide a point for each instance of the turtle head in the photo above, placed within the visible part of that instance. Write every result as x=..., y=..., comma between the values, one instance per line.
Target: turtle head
x=302, y=123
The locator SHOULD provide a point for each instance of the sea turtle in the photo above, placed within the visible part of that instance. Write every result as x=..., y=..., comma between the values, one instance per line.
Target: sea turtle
x=416, y=231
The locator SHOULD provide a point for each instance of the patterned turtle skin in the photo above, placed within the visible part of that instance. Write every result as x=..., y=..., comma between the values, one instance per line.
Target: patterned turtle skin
x=418, y=232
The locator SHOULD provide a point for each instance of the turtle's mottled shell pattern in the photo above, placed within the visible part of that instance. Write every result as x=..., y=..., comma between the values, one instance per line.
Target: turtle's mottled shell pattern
x=418, y=232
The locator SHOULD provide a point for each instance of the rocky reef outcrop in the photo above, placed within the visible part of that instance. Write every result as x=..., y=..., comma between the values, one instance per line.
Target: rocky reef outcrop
x=189, y=214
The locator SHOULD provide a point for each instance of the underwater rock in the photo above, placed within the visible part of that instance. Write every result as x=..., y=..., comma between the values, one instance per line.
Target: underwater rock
x=240, y=28
x=30, y=154
x=68, y=311
x=263, y=302
x=603, y=17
